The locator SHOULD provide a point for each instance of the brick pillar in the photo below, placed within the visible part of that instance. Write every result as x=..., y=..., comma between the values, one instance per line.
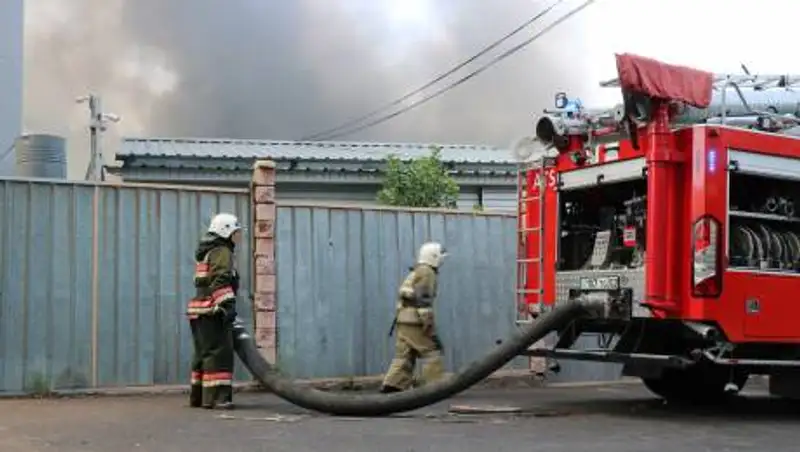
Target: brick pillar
x=263, y=232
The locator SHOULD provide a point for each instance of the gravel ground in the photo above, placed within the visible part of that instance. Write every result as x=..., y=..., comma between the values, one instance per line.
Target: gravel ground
x=619, y=418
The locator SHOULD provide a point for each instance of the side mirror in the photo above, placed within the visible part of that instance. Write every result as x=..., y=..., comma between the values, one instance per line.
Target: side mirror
x=561, y=100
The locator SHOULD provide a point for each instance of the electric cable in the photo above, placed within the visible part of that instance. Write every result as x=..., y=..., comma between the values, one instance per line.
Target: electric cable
x=436, y=80
x=466, y=78
x=89, y=169
x=7, y=152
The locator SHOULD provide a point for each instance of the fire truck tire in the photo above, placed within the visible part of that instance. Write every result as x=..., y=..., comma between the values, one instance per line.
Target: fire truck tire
x=349, y=404
x=696, y=385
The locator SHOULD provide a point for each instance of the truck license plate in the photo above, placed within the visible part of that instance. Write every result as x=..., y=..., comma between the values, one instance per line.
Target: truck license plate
x=600, y=283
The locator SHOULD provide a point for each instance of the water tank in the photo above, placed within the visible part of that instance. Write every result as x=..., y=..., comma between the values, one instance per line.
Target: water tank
x=41, y=155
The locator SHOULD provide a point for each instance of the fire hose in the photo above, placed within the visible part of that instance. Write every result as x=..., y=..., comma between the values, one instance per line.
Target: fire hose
x=341, y=404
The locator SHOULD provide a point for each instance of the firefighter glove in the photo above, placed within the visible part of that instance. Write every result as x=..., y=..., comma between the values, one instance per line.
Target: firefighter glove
x=228, y=315
x=438, y=343
x=235, y=282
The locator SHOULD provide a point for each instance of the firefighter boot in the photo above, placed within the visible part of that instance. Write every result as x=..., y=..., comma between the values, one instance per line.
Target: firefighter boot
x=196, y=396
x=220, y=398
x=387, y=389
x=225, y=397
x=225, y=405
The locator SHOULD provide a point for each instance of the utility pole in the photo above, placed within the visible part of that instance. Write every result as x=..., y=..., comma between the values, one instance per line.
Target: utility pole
x=97, y=125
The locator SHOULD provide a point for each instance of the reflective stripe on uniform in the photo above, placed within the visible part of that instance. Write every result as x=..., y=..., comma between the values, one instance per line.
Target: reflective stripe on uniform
x=222, y=295
x=202, y=306
x=213, y=379
x=201, y=270
x=199, y=306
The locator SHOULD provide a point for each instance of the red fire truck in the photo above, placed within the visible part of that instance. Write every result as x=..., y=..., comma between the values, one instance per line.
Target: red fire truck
x=676, y=210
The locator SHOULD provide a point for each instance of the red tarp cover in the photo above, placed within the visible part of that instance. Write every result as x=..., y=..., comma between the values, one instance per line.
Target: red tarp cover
x=664, y=81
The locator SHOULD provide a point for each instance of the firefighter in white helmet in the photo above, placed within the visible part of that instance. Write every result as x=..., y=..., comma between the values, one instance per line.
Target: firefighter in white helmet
x=414, y=323
x=212, y=312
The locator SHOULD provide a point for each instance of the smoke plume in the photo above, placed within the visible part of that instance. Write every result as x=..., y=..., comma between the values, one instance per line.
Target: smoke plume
x=285, y=69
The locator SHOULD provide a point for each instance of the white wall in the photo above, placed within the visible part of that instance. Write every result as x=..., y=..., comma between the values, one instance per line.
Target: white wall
x=11, y=36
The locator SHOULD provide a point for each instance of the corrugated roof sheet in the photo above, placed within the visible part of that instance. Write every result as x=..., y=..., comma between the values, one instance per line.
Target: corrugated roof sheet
x=313, y=150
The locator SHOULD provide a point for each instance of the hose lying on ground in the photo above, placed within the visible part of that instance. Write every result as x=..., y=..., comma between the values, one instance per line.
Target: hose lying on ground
x=384, y=404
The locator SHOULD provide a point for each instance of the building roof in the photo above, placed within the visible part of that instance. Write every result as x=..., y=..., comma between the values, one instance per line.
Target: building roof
x=311, y=150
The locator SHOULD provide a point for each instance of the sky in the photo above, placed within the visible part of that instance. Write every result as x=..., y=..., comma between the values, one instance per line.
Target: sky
x=282, y=70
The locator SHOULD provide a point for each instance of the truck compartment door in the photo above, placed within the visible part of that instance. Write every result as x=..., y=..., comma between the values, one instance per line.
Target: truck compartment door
x=769, y=303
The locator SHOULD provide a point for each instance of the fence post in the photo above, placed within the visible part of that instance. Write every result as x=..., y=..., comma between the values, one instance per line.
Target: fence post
x=97, y=194
x=264, y=288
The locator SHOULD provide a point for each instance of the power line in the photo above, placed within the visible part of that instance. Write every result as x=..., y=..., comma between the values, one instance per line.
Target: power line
x=469, y=76
x=7, y=152
x=435, y=80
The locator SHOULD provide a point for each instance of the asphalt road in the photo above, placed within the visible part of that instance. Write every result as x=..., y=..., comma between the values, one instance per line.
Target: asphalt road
x=609, y=418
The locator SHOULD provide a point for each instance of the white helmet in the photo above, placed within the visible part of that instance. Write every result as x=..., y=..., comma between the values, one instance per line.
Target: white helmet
x=431, y=253
x=224, y=225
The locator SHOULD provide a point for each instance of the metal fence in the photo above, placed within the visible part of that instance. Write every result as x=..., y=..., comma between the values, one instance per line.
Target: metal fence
x=338, y=270
x=95, y=280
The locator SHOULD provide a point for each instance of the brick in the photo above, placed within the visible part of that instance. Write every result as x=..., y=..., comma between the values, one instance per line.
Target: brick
x=266, y=337
x=264, y=194
x=265, y=212
x=265, y=247
x=265, y=283
x=265, y=265
x=264, y=172
x=266, y=320
x=264, y=229
x=270, y=354
x=264, y=301
x=264, y=164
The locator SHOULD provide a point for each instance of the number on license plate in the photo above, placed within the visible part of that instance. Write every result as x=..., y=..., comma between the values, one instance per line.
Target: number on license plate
x=600, y=283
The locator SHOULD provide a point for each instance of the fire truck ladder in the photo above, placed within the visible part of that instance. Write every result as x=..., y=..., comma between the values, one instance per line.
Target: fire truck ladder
x=764, y=96
x=526, y=232
x=740, y=80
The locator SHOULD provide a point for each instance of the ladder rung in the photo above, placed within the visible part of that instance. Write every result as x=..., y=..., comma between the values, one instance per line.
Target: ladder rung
x=529, y=260
x=531, y=198
x=536, y=291
x=529, y=230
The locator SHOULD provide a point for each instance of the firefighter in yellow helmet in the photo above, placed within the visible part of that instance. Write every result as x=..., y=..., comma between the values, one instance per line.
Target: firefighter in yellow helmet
x=212, y=312
x=414, y=323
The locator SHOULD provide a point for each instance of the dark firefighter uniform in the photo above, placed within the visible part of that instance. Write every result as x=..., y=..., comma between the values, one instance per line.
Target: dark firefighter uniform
x=211, y=314
x=414, y=323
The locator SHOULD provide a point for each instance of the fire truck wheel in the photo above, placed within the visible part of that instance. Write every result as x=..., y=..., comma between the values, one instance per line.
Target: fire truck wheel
x=697, y=385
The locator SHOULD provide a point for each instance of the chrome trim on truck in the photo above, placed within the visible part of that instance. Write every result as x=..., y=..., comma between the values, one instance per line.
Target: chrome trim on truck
x=764, y=165
x=628, y=278
x=618, y=171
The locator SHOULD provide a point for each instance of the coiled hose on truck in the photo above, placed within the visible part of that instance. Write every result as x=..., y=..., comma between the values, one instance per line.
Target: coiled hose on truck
x=340, y=404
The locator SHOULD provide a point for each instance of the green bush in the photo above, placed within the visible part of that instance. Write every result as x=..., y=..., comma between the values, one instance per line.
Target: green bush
x=422, y=182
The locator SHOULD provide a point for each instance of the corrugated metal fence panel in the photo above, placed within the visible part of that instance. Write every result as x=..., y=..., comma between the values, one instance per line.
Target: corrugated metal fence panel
x=45, y=323
x=338, y=272
x=146, y=249
x=58, y=331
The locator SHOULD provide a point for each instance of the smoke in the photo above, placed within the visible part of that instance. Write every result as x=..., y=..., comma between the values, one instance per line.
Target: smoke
x=281, y=70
